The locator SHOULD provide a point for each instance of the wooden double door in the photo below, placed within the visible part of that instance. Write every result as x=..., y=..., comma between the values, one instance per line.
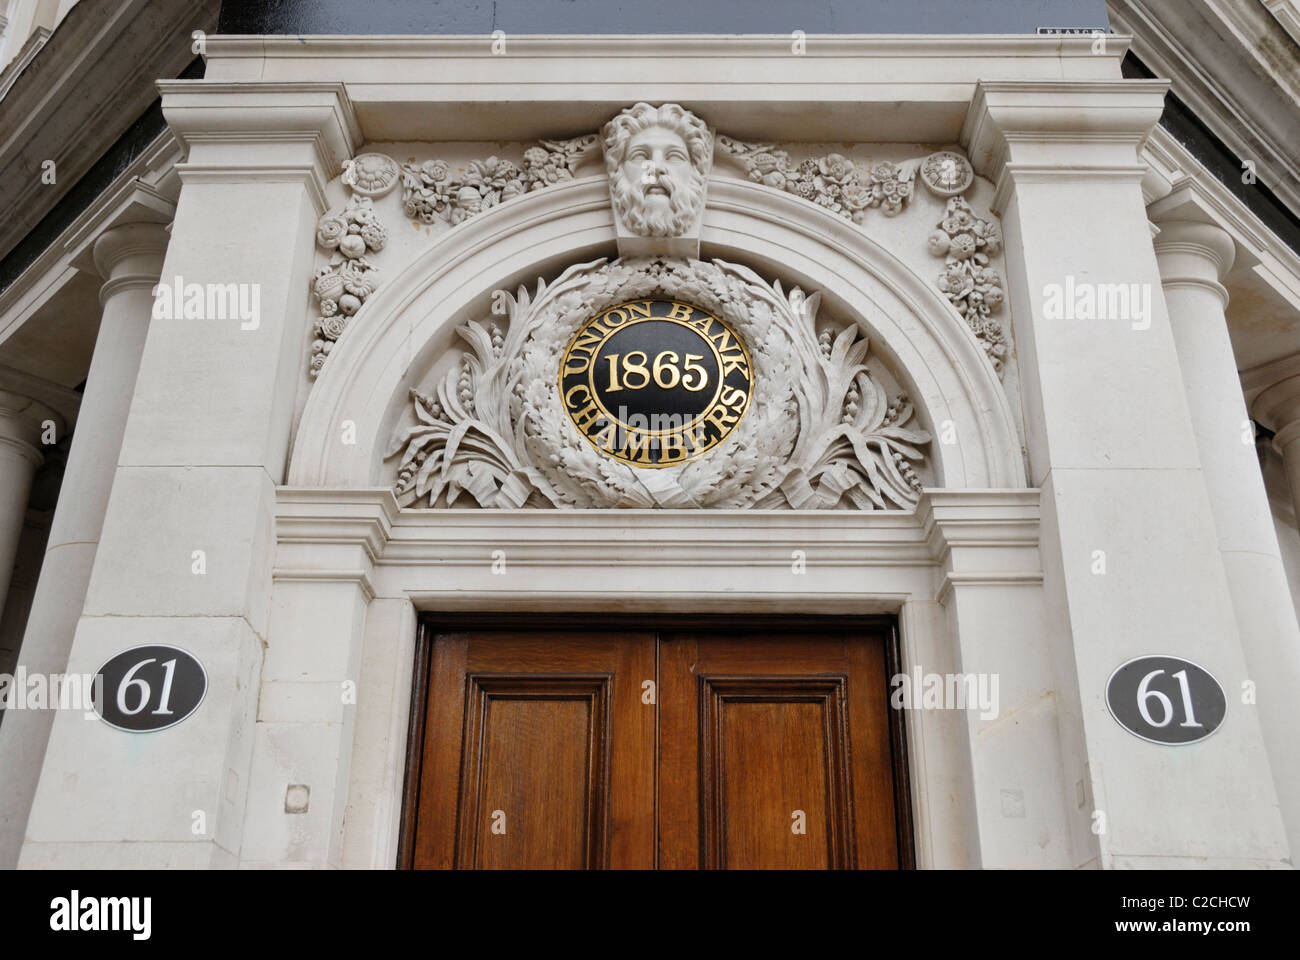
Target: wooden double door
x=716, y=748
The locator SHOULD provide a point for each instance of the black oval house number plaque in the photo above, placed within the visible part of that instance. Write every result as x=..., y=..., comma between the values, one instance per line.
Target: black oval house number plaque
x=149, y=688
x=1166, y=700
x=655, y=383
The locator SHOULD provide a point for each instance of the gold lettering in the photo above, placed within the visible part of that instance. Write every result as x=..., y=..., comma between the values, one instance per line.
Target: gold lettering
x=680, y=311
x=729, y=365
x=718, y=416
x=584, y=418
x=610, y=314
x=638, y=446
x=578, y=358
x=671, y=448
x=568, y=396
x=641, y=309
x=726, y=343
x=604, y=437
x=732, y=397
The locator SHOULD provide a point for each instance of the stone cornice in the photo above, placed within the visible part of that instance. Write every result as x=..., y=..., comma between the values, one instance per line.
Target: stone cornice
x=1228, y=63
x=219, y=121
x=144, y=192
x=708, y=46
x=1287, y=14
x=79, y=93
x=943, y=521
x=26, y=54
x=901, y=88
x=1098, y=125
x=363, y=518
x=1176, y=181
x=982, y=537
x=975, y=539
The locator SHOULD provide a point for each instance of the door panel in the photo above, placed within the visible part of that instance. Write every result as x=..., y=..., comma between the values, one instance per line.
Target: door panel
x=533, y=786
x=755, y=728
x=570, y=749
x=774, y=775
x=544, y=737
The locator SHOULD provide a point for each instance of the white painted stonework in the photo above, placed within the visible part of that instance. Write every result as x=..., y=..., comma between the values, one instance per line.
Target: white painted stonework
x=880, y=220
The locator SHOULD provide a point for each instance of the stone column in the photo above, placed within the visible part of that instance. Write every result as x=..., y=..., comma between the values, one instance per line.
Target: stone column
x=1194, y=255
x=188, y=542
x=1131, y=562
x=1275, y=402
x=22, y=422
x=130, y=258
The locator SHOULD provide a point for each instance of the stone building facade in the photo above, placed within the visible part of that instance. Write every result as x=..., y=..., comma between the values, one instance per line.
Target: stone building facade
x=293, y=381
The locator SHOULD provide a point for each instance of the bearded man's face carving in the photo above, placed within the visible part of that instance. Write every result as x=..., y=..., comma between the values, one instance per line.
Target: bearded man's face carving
x=657, y=160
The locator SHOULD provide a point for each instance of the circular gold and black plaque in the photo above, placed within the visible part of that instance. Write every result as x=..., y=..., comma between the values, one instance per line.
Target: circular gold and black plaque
x=655, y=383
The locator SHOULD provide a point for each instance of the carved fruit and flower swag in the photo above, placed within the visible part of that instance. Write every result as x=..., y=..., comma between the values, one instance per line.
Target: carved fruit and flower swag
x=820, y=432
x=833, y=181
x=432, y=192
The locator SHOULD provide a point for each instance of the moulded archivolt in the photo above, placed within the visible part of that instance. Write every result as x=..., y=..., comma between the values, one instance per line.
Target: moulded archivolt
x=821, y=431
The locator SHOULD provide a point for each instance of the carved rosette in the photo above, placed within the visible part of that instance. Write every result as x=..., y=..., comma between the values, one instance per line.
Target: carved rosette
x=371, y=174
x=947, y=174
x=832, y=181
x=966, y=242
x=432, y=192
x=821, y=432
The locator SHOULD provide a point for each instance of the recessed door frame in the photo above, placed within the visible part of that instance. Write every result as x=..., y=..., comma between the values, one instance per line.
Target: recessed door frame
x=431, y=624
x=354, y=573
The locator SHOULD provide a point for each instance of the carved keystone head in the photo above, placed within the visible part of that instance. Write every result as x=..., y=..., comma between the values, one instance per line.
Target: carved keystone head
x=658, y=160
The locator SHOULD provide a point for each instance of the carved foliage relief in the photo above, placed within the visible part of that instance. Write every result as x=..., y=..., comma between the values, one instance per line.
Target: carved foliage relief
x=341, y=287
x=832, y=181
x=822, y=429
x=966, y=242
x=431, y=192
x=821, y=432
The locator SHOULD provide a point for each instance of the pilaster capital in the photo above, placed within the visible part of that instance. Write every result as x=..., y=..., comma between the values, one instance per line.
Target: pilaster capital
x=28, y=406
x=129, y=255
x=1026, y=130
x=262, y=130
x=133, y=202
x=982, y=537
x=1194, y=253
x=1273, y=397
x=1186, y=216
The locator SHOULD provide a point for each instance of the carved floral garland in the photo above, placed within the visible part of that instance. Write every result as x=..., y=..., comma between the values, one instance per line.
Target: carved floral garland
x=431, y=192
x=966, y=242
x=833, y=181
x=343, y=286
x=820, y=432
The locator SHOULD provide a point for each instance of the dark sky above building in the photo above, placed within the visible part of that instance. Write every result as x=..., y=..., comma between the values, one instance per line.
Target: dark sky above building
x=657, y=16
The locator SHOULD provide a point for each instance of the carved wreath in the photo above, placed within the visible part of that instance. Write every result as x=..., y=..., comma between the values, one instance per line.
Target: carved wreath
x=820, y=433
